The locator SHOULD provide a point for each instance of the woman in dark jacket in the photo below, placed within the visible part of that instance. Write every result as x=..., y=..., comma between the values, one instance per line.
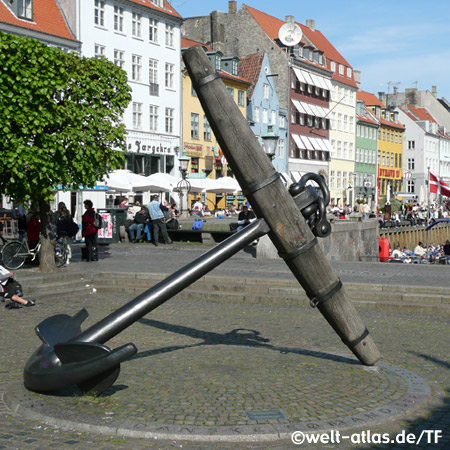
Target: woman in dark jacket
x=89, y=232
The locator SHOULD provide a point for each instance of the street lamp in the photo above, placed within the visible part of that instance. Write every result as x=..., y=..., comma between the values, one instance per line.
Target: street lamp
x=270, y=140
x=183, y=185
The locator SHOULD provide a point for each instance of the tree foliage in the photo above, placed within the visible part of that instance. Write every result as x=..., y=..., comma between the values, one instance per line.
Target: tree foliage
x=60, y=120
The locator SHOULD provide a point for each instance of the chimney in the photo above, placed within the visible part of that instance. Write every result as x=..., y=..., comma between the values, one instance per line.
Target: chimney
x=434, y=91
x=395, y=90
x=232, y=7
x=311, y=23
x=357, y=74
x=289, y=19
x=382, y=97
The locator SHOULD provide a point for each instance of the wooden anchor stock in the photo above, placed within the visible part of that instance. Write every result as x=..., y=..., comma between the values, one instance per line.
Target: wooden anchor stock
x=269, y=198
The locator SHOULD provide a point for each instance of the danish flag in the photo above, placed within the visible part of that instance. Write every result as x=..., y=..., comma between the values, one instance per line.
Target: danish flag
x=437, y=186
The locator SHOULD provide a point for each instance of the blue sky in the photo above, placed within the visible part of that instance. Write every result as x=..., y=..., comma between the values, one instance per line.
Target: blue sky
x=402, y=42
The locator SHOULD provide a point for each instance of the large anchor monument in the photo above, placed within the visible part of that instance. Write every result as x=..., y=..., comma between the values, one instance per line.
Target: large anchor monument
x=293, y=220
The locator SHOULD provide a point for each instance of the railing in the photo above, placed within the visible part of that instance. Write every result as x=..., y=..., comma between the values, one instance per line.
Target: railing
x=410, y=236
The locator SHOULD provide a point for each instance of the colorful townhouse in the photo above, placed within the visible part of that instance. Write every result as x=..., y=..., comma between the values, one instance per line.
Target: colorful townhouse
x=365, y=175
x=199, y=143
x=390, y=145
x=422, y=151
x=263, y=108
x=301, y=76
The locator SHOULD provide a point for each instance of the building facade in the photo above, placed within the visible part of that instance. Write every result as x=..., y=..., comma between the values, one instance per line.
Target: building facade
x=365, y=175
x=302, y=82
x=263, y=107
x=199, y=143
x=390, y=145
x=143, y=38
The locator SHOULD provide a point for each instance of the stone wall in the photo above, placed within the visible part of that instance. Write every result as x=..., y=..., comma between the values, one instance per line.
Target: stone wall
x=349, y=241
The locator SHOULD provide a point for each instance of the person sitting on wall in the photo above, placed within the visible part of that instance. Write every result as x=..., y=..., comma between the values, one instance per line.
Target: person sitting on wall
x=245, y=217
x=136, y=228
x=420, y=250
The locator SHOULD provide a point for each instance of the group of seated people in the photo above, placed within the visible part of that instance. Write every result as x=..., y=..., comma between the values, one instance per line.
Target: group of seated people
x=421, y=254
x=139, y=223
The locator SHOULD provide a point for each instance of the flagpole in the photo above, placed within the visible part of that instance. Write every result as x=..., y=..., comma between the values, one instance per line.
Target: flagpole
x=428, y=196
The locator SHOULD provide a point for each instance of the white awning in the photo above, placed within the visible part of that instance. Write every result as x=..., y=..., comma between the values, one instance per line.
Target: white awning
x=307, y=77
x=295, y=175
x=312, y=143
x=299, y=75
x=328, y=84
x=298, y=106
x=308, y=109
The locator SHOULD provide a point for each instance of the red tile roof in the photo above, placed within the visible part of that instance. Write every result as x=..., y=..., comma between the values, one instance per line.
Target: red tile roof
x=367, y=119
x=186, y=43
x=47, y=18
x=168, y=9
x=370, y=99
x=421, y=114
x=250, y=68
x=271, y=26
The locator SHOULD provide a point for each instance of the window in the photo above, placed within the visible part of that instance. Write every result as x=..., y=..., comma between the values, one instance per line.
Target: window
x=170, y=76
x=136, y=25
x=411, y=145
x=218, y=62
x=341, y=69
x=302, y=119
x=153, y=77
x=281, y=148
x=392, y=160
x=384, y=134
x=100, y=50
x=206, y=129
x=379, y=157
x=349, y=72
x=169, y=34
x=153, y=30
x=25, y=9
x=400, y=138
x=338, y=152
x=384, y=159
x=119, y=58
x=241, y=97
x=266, y=91
x=351, y=124
x=333, y=121
x=99, y=12
x=136, y=66
x=265, y=115
x=396, y=160
x=273, y=117
x=137, y=115
x=344, y=153
x=118, y=19
x=169, y=120
x=230, y=91
x=332, y=179
x=256, y=114
x=194, y=125
x=339, y=122
x=157, y=3
x=154, y=117
x=234, y=67
x=350, y=150
x=411, y=164
x=282, y=121
x=410, y=187
x=345, y=122
x=339, y=180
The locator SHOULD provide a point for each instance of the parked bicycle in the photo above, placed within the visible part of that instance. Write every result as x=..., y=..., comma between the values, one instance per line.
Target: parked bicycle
x=15, y=253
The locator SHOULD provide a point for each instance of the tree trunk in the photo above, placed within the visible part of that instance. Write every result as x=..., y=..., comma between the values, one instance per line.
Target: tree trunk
x=47, y=256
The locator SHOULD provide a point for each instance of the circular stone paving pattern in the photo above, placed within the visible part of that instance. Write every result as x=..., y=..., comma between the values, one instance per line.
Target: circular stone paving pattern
x=232, y=392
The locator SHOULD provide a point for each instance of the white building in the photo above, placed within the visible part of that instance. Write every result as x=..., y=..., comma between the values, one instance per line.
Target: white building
x=142, y=37
x=421, y=149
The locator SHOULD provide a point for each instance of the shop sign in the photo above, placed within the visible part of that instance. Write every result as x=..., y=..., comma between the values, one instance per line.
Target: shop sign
x=389, y=173
x=230, y=198
x=148, y=149
x=193, y=149
x=209, y=163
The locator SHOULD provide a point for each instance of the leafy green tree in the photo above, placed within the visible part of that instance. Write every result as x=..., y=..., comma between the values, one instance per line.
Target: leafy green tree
x=60, y=124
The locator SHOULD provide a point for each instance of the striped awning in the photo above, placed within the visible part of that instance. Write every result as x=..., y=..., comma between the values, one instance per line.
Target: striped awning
x=313, y=79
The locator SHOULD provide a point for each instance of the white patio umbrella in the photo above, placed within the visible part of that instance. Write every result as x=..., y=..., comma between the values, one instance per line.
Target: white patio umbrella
x=118, y=180
x=227, y=184
x=158, y=182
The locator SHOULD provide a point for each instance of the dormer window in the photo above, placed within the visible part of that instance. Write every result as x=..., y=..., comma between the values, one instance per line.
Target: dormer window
x=341, y=69
x=218, y=62
x=333, y=66
x=25, y=9
x=349, y=72
x=235, y=67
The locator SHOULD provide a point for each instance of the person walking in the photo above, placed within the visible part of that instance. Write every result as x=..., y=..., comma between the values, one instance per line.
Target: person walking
x=89, y=232
x=159, y=223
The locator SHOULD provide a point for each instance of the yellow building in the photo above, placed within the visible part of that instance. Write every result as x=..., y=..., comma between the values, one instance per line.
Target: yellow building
x=199, y=142
x=390, y=145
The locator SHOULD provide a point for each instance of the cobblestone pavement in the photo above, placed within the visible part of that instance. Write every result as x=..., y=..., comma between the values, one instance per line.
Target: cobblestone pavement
x=201, y=362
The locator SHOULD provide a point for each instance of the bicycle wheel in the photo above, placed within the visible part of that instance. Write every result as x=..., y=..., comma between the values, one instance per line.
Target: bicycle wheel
x=60, y=254
x=14, y=255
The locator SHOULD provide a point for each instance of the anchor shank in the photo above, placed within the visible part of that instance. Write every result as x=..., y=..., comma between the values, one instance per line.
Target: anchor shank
x=123, y=317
